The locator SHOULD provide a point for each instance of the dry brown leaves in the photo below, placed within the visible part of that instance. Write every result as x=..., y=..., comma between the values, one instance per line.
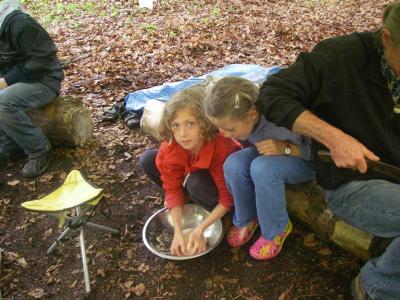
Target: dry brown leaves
x=120, y=48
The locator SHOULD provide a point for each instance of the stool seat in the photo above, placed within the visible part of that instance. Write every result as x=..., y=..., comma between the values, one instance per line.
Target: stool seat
x=74, y=192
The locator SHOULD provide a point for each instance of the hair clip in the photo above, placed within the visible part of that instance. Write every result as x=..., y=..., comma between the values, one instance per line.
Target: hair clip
x=236, y=106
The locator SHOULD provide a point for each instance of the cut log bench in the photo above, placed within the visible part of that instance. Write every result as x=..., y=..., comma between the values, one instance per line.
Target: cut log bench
x=305, y=203
x=66, y=122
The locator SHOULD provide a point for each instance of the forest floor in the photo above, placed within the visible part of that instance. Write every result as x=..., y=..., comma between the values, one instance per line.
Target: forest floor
x=120, y=48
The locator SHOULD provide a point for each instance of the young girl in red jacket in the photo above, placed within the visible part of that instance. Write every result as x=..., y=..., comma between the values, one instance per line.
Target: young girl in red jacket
x=190, y=158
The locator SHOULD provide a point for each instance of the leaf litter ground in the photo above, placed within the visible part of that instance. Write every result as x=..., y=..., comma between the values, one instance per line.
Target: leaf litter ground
x=112, y=48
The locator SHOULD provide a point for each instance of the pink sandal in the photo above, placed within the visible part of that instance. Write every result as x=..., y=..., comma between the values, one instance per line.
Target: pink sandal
x=238, y=236
x=264, y=249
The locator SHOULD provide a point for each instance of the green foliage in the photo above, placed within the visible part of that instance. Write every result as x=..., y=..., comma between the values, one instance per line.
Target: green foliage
x=148, y=27
x=216, y=11
x=75, y=25
x=165, y=3
x=231, y=9
x=205, y=21
x=59, y=11
x=70, y=7
x=114, y=11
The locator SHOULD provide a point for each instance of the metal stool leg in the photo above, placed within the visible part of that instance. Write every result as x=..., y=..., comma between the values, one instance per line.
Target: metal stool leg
x=58, y=240
x=78, y=222
x=84, y=262
x=83, y=255
x=103, y=228
x=89, y=224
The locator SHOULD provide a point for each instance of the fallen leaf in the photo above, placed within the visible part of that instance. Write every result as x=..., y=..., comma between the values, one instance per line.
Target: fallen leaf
x=143, y=268
x=325, y=264
x=73, y=284
x=309, y=240
x=11, y=255
x=22, y=262
x=235, y=258
x=13, y=182
x=129, y=252
x=284, y=295
x=50, y=280
x=36, y=293
x=47, y=233
x=128, y=156
x=139, y=289
x=46, y=177
x=325, y=252
x=101, y=272
x=52, y=268
x=235, y=250
x=128, y=284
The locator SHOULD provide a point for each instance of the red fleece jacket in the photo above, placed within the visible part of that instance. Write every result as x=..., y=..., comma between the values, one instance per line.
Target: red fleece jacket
x=174, y=163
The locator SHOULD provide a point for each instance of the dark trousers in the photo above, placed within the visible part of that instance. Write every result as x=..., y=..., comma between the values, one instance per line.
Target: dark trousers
x=200, y=185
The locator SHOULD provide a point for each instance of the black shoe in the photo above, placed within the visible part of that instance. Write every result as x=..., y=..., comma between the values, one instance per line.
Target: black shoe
x=357, y=290
x=114, y=112
x=133, y=122
x=37, y=165
x=132, y=119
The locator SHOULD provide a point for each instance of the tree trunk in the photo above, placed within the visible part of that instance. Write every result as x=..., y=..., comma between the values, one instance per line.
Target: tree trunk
x=66, y=122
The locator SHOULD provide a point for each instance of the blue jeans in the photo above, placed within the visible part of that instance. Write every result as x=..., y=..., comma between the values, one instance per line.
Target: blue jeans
x=16, y=128
x=257, y=183
x=373, y=206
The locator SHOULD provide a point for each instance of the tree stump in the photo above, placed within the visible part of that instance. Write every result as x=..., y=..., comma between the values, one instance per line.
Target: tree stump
x=66, y=122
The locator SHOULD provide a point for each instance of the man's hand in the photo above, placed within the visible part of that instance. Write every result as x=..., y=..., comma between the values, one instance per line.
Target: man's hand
x=347, y=152
x=3, y=84
x=197, y=243
x=271, y=147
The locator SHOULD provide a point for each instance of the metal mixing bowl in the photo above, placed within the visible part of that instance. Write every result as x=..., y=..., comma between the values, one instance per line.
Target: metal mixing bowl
x=158, y=231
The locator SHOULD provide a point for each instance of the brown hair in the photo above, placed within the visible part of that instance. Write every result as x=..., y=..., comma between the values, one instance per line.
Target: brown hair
x=391, y=21
x=193, y=99
x=231, y=97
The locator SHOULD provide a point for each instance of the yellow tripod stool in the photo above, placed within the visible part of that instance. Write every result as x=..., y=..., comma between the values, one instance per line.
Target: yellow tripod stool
x=79, y=195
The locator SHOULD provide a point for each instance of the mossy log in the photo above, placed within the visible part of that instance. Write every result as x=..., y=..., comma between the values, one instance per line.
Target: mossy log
x=306, y=204
x=65, y=121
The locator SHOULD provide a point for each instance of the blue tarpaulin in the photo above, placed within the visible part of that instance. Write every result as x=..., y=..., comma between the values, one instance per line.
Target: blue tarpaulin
x=137, y=100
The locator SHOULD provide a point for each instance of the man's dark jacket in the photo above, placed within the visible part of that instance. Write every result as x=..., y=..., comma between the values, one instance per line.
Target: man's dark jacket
x=341, y=82
x=27, y=53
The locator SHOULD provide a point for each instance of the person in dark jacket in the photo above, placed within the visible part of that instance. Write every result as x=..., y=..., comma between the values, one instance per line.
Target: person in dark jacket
x=30, y=78
x=344, y=94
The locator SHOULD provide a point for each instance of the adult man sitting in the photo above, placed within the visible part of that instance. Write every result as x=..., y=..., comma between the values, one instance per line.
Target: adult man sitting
x=30, y=77
x=345, y=95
